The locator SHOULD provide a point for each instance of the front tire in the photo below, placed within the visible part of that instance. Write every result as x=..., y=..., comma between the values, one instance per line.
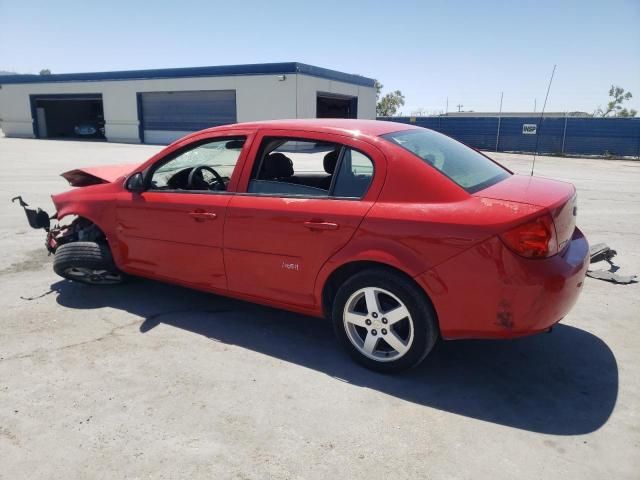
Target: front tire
x=384, y=321
x=86, y=262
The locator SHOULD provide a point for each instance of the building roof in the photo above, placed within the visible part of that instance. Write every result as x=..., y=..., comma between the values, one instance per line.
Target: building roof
x=215, y=71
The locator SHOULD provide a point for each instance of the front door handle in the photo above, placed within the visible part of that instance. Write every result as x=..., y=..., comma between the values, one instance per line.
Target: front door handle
x=320, y=225
x=203, y=215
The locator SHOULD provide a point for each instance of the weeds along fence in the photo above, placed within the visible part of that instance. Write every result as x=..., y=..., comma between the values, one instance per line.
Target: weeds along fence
x=556, y=136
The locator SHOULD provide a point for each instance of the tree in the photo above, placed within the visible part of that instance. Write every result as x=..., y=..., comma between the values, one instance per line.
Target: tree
x=45, y=71
x=627, y=113
x=618, y=96
x=388, y=105
x=378, y=89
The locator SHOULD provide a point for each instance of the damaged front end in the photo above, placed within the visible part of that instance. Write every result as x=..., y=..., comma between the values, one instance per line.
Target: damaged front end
x=79, y=229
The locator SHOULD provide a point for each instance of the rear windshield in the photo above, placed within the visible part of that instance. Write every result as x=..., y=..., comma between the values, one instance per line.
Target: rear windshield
x=466, y=167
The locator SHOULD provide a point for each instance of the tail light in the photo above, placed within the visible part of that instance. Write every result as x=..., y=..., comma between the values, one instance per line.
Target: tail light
x=534, y=239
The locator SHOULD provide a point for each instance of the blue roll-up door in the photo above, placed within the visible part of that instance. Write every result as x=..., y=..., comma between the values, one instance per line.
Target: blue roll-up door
x=167, y=116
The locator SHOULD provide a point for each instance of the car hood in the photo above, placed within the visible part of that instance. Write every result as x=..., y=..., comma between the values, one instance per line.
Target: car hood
x=83, y=177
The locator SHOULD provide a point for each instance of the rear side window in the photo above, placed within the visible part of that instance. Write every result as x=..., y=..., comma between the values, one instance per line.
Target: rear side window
x=466, y=167
x=310, y=168
x=355, y=175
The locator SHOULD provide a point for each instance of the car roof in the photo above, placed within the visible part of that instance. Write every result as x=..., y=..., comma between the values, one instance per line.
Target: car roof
x=373, y=128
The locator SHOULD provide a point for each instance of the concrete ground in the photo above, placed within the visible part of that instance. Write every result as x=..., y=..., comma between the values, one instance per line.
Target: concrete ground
x=148, y=380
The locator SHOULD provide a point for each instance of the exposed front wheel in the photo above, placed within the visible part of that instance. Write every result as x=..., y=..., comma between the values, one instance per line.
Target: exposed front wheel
x=384, y=321
x=86, y=262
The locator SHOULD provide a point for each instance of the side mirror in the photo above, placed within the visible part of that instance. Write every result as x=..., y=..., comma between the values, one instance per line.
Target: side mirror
x=135, y=183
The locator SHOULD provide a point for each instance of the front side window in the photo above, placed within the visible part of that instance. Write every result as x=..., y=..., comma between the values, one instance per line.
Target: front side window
x=207, y=166
x=296, y=167
x=466, y=167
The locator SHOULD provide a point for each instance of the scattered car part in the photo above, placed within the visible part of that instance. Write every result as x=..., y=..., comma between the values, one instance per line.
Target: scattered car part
x=602, y=252
x=35, y=297
x=79, y=229
x=37, y=218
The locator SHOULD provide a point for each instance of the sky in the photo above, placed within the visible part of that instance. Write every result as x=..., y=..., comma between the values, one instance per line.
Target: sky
x=466, y=51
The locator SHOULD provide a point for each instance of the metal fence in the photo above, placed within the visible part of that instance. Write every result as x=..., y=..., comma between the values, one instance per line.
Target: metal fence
x=558, y=136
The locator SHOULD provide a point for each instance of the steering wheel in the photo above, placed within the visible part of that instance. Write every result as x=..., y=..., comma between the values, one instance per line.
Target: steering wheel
x=196, y=176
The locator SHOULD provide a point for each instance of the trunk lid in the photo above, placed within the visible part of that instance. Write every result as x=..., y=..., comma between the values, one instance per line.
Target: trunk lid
x=83, y=177
x=559, y=198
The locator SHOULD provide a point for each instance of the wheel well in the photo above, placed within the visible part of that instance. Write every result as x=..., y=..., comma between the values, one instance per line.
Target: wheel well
x=82, y=229
x=344, y=272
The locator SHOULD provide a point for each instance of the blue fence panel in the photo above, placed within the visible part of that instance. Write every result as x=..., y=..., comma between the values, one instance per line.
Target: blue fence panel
x=476, y=132
x=601, y=136
x=578, y=136
x=430, y=122
x=548, y=135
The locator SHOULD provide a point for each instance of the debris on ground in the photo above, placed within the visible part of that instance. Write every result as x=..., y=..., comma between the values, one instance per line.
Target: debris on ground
x=602, y=252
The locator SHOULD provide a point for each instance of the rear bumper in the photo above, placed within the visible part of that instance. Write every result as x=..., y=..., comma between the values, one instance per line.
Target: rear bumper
x=490, y=292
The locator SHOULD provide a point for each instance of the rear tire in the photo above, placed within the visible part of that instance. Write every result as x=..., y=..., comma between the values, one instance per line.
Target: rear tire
x=384, y=321
x=86, y=262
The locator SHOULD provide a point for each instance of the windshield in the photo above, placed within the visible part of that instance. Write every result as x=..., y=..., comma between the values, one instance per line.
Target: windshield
x=466, y=167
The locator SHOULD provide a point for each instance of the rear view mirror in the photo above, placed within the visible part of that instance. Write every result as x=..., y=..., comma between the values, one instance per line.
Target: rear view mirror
x=135, y=183
x=234, y=144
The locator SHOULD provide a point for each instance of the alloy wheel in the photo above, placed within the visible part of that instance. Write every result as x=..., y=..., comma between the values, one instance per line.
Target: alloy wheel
x=378, y=324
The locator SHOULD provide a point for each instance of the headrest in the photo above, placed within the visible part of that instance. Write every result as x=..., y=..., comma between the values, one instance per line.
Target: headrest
x=329, y=162
x=277, y=165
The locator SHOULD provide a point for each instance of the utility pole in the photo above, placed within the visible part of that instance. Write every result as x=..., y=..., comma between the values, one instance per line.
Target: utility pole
x=535, y=102
x=564, y=132
x=446, y=110
x=459, y=107
x=499, y=121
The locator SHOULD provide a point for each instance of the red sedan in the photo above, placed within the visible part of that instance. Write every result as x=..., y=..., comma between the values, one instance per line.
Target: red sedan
x=398, y=234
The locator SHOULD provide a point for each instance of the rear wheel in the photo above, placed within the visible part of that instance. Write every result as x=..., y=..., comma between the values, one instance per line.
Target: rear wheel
x=86, y=262
x=384, y=321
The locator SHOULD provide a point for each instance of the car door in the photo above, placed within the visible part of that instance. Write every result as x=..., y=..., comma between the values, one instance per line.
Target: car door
x=289, y=218
x=173, y=230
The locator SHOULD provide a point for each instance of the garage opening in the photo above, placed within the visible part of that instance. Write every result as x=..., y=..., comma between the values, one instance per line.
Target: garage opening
x=167, y=116
x=336, y=106
x=68, y=116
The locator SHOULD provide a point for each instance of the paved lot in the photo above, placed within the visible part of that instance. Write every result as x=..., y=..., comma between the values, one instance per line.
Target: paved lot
x=154, y=381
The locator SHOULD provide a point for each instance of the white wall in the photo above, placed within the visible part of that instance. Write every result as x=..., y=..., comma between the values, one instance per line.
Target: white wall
x=258, y=97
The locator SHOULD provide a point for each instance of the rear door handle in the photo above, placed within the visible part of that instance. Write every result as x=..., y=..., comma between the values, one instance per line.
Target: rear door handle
x=203, y=215
x=320, y=225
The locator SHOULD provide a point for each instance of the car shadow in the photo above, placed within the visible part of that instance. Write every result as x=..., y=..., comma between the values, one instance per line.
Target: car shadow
x=562, y=383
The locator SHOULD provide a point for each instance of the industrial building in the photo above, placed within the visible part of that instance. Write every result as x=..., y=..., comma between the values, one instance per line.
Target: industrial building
x=159, y=106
